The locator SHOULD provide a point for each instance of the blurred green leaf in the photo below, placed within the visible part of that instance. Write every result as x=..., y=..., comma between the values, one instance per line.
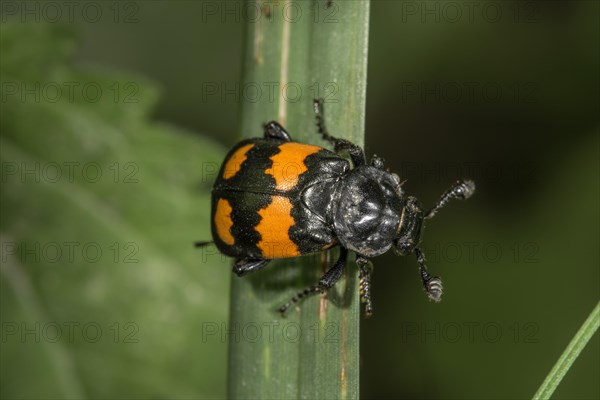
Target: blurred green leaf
x=103, y=294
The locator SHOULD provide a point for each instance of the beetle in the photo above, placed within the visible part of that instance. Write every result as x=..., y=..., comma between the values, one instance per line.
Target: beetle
x=276, y=198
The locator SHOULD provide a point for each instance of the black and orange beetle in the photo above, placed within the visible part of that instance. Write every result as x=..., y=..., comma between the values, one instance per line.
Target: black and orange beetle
x=276, y=198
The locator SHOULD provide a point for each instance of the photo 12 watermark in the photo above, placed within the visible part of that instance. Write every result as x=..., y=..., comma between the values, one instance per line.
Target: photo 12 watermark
x=70, y=91
x=444, y=172
x=468, y=92
x=470, y=12
x=69, y=332
x=480, y=252
x=269, y=92
x=70, y=12
x=291, y=12
x=414, y=171
x=69, y=172
x=469, y=332
x=270, y=332
x=70, y=252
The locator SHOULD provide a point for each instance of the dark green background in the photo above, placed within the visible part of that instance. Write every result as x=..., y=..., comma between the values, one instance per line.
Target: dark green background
x=519, y=260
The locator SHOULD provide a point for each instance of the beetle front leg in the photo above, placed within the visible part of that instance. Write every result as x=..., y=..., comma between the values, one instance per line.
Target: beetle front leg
x=432, y=284
x=366, y=269
x=326, y=282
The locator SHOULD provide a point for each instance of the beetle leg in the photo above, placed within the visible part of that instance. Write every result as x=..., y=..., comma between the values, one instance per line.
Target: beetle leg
x=326, y=282
x=245, y=266
x=275, y=131
x=460, y=190
x=356, y=153
x=377, y=162
x=199, y=245
x=431, y=284
x=366, y=269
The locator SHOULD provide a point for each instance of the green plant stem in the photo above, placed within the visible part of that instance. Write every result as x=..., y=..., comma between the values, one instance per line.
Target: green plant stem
x=312, y=352
x=579, y=341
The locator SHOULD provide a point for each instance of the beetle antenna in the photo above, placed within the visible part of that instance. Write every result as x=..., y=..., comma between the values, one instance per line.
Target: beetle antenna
x=460, y=190
x=199, y=245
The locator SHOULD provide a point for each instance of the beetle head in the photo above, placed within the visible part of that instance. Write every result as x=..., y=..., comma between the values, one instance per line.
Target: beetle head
x=367, y=213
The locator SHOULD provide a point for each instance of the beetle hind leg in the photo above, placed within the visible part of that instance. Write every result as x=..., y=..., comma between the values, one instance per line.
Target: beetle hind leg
x=273, y=130
x=245, y=266
x=325, y=283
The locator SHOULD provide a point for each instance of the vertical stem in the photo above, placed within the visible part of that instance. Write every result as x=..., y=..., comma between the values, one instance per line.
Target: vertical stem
x=302, y=50
x=568, y=357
